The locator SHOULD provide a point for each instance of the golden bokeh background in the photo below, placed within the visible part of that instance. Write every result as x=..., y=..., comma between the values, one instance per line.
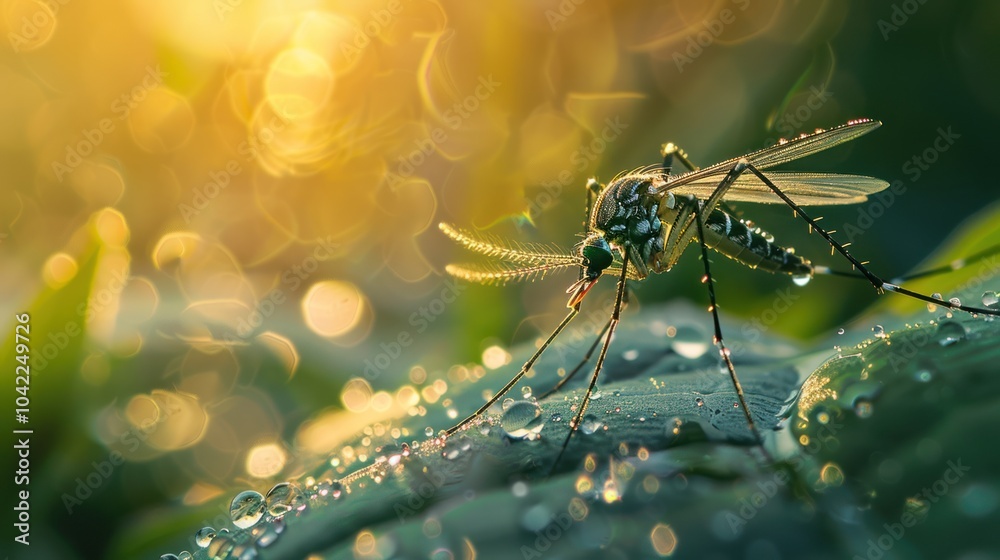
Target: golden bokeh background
x=221, y=213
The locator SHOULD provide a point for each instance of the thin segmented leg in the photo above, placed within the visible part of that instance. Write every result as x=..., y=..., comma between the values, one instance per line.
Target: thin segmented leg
x=593, y=189
x=879, y=284
x=612, y=325
x=720, y=343
x=524, y=369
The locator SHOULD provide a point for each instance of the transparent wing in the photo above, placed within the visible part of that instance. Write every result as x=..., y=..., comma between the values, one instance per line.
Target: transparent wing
x=806, y=189
x=807, y=144
x=803, y=188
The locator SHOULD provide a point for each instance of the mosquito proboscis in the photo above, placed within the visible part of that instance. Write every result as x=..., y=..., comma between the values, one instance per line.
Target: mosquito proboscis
x=642, y=221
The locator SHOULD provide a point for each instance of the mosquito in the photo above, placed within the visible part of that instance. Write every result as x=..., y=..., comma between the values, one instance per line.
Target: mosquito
x=642, y=221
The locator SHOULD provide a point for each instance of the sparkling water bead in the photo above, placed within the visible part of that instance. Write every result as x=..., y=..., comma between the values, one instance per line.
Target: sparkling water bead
x=246, y=509
x=520, y=419
x=204, y=536
x=283, y=498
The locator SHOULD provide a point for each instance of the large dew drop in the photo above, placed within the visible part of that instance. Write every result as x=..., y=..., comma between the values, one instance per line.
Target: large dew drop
x=522, y=420
x=283, y=498
x=204, y=536
x=991, y=299
x=246, y=509
x=950, y=332
x=801, y=279
x=590, y=425
x=690, y=342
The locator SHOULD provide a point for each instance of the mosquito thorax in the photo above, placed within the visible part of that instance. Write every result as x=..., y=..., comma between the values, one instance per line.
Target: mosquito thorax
x=629, y=215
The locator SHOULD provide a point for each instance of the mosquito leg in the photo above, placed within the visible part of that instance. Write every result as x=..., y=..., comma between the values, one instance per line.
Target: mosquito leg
x=879, y=284
x=579, y=366
x=612, y=325
x=586, y=357
x=957, y=264
x=717, y=338
x=524, y=369
x=670, y=151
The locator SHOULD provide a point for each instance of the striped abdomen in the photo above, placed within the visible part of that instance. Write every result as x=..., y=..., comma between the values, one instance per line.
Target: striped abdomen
x=748, y=245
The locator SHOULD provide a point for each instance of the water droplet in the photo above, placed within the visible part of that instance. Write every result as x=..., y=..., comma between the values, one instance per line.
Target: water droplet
x=556, y=417
x=596, y=395
x=267, y=533
x=699, y=401
x=169, y=556
x=630, y=355
x=863, y=408
x=283, y=498
x=507, y=403
x=185, y=555
x=690, y=342
x=801, y=279
x=878, y=331
x=991, y=299
x=521, y=420
x=246, y=509
x=923, y=376
x=950, y=332
x=590, y=425
x=955, y=301
x=204, y=536
x=840, y=330
x=429, y=431
x=336, y=489
x=526, y=392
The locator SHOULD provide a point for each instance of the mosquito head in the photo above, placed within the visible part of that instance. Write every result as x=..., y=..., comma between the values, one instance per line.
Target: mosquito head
x=597, y=256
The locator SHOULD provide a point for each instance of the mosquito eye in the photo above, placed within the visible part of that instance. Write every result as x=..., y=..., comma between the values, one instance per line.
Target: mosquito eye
x=598, y=254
